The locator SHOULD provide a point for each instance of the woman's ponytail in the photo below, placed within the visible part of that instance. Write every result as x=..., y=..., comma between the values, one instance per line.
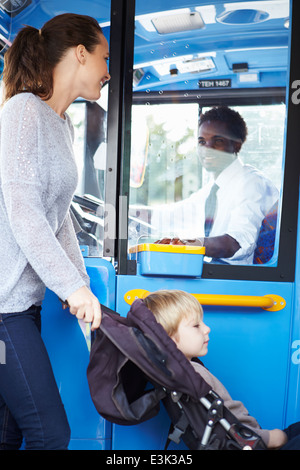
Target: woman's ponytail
x=25, y=65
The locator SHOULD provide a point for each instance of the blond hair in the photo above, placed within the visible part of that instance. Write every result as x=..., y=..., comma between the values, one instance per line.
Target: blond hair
x=170, y=306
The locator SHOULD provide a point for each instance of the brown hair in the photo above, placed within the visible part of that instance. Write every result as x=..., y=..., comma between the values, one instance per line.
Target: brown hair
x=30, y=61
x=170, y=306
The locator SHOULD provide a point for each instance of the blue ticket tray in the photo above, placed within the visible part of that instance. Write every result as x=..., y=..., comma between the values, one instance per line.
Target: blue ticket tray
x=168, y=260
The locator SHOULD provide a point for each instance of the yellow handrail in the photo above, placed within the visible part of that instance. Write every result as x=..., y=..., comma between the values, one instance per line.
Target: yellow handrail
x=268, y=302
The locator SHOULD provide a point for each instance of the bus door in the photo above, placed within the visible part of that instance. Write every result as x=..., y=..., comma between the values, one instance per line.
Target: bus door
x=188, y=58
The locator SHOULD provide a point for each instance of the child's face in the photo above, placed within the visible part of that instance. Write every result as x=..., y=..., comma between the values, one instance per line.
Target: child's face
x=192, y=337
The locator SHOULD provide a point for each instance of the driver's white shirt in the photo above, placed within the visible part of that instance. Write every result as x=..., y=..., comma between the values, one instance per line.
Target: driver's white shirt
x=244, y=198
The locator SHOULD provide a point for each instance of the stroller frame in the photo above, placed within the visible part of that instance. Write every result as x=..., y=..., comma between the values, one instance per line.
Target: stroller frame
x=244, y=438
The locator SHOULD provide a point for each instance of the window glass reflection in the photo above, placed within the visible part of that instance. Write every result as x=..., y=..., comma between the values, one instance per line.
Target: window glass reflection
x=180, y=173
x=215, y=183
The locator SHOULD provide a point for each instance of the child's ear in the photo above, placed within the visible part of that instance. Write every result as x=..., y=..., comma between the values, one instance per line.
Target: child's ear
x=175, y=337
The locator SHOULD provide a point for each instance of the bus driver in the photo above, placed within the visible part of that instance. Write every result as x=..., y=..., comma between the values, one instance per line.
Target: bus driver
x=231, y=208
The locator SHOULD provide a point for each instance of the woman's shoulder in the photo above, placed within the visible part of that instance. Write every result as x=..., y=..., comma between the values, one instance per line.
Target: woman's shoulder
x=20, y=98
x=17, y=102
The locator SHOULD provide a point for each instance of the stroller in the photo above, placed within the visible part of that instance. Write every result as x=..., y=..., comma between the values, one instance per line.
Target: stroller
x=134, y=366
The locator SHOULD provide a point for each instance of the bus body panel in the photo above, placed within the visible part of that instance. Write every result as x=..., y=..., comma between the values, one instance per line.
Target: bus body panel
x=248, y=349
x=67, y=344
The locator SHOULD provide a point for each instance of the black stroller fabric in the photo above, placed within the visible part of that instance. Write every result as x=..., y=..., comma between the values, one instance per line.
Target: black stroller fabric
x=134, y=366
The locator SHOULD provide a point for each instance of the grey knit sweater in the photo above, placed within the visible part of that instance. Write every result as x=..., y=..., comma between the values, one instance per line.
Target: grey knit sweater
x=38, y=176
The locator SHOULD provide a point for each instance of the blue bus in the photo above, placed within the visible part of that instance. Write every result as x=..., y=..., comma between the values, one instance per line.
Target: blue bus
x=137, y=154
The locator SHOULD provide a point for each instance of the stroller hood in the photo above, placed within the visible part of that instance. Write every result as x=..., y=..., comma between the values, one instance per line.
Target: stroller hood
x=126, y=353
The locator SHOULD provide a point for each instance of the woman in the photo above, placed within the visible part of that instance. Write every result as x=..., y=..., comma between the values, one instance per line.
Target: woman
x=44, y=72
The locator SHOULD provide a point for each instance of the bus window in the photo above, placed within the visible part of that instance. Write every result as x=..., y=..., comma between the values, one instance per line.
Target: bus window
x=90, y=123
x=187, y=61
x=170, y=170
x=77, y=114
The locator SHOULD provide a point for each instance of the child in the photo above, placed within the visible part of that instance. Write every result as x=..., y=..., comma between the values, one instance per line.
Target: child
x=181, y=316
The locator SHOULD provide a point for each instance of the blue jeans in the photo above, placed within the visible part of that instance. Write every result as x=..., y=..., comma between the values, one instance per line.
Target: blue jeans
x=293, y=434
x=30, y=404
